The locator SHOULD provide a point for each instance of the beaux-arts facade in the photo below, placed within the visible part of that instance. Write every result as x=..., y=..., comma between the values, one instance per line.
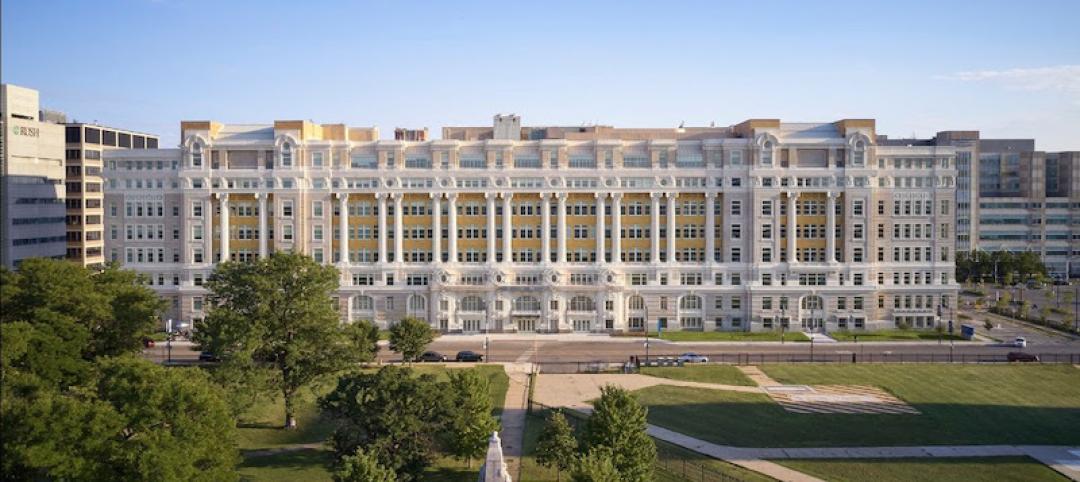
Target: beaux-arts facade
x=557, y=229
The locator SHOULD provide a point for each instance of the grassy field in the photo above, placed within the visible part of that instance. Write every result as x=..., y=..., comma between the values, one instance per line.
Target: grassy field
x=969, y=404
x=260, y=428
x=892, y=335
x=722, y=374
x=308, y=465
x=722, y=336
x=982, y=469
x=669, y=466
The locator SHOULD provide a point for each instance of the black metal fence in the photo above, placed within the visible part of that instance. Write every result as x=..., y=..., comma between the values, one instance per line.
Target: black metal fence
x=672, y=462
x=633, y=363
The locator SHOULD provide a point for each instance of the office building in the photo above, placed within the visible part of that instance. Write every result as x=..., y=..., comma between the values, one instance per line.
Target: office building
x=32, y=205
x=1012, y=197
x=84, y=185
x=505, y=228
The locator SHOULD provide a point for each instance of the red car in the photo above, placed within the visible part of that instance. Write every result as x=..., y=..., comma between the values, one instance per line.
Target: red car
x=148, y=343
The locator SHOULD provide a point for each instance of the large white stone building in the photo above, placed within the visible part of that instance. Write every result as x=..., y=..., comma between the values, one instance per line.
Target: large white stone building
x=557, y=229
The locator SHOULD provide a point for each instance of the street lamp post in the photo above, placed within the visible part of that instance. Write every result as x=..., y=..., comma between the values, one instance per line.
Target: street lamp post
x=783, y=327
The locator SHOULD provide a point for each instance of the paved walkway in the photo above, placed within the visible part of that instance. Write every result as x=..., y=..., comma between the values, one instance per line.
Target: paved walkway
x=512, y=420
x=576, y=390
x=757, y=376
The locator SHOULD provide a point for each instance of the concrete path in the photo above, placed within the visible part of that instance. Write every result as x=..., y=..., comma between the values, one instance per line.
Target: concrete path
x=512, y=420
x=283, y=449
x=820, y=337
x=576, y=390
x=757, y=376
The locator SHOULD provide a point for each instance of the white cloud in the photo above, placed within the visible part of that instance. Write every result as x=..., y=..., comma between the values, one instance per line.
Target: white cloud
x=1063, y=79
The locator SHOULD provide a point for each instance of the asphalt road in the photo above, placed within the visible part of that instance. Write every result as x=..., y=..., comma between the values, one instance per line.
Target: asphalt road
x=552, y=349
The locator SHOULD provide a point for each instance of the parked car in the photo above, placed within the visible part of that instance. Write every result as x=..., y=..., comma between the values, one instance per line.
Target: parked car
x=469, y=356
x=693, y=358
x=1020, y=342
x=1034, y=285
x=147, y=342
x=208, y=357
x=432, y=356
x=1019, y=356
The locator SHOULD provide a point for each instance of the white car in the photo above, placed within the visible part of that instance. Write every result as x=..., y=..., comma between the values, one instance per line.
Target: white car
x=693, y=358
x=1020, y=342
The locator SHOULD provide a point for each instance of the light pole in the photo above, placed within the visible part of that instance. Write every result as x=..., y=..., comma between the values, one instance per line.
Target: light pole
x=168, y=339
x=783, y=327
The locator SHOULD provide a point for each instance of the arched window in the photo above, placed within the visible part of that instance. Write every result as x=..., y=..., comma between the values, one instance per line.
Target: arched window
x=767, y=153
x=417, y=304
x=362, y=303
x=811, y=303
x=526, y=303
x=690, y=302
x=582, y=303
x=636, y=303
x=196, y=155
x=472, y=303
x=858, y=153
x=286, y=155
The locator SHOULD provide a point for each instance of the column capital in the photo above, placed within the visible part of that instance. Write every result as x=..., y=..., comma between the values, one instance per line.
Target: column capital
x=342, y=196
x=490, y=195
x=832, y=194
x=616, y=196
x=561, y=196
x=793, y=194
x=435, y=195
x=398, y=196
x=600, y=195
x=451, y=196
x=655, y=195
x=258, y=195
x=507, y=196
x=710, y=194
x=223, y=196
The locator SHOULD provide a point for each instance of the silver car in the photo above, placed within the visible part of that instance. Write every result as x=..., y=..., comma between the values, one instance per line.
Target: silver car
x=693, y=358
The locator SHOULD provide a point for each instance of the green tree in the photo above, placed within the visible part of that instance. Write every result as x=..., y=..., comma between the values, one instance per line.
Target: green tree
x=1010, y=278
x=618, y=422
x=556, y=446
x=114, y=308
x=362, y=467
x=393, y=414
x=598, y=465
x=1044, y=313
x=136, y=421
x=276, y=313
x=469, y=422
x=1025, y=309
x=989, y=325
x=410, y=337
x=176, y=423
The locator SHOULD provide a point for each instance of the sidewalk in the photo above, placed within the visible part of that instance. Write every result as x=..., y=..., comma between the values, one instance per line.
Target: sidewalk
x=512, y=420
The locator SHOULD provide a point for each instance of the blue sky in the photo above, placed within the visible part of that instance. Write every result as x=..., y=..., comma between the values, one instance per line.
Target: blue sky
x=1007, y=68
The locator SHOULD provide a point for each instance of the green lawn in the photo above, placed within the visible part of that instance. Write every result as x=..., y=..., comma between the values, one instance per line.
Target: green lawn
x=260, y=428
x=892, y=335
x=670, y=465
x=722, y=374
x=960, y=404
x=980, y=469
x=308, y=465
x=723, y=336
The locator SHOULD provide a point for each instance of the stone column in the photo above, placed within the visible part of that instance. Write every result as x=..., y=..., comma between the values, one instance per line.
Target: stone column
x=223, y=202
x=792, y=197
x=671, y=227
x=208, y=236
x=508, y=226
x=830, y=227
x=710, y=227
x=490, y=226
x=654, y=211
x=381, y=198
x=545, y=227
x=616, y=227
x=343, y=226
x=562, y=227
x=399, y=229
x=262, y=224
x=600, y=226
x=436, y=227
x=452, y=225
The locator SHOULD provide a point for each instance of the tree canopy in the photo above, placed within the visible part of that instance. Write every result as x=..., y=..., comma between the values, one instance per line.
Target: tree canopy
x=618, y=422
x=410, y=337
x=556, y=446
x=277, y=313
x=469, y=423
x=999, y=266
